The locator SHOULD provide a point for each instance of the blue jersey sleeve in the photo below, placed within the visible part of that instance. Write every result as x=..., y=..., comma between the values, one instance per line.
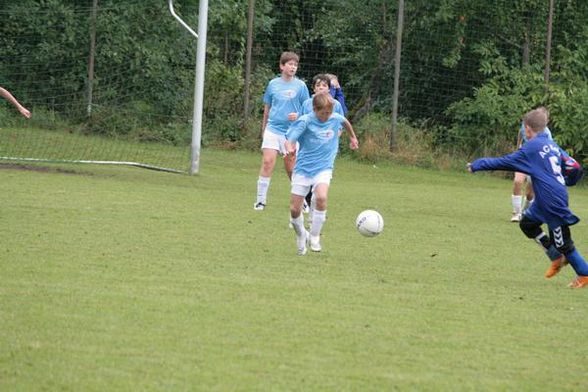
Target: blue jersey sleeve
x=307, y=106
x=304, y=96
x=267, y=95
x=572, y=170
x=512, y=162
x=296, y=129
x=337, y=94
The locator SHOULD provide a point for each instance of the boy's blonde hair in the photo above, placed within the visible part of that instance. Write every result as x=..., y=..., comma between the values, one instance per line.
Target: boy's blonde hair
x=536, y=120
x=289, y=56
x=322, y=101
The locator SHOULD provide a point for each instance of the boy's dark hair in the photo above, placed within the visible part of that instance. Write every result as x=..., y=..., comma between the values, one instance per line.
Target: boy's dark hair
x=321, y=78
x=322, y=100
x=289, y=56
x=536, y=120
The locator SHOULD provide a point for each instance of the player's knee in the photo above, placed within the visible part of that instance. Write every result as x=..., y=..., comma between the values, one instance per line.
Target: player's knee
x=267, y=166
x=295, y=210
x=530, y=228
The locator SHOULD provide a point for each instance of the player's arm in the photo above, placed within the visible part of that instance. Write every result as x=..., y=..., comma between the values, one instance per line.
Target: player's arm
x=298, y=103
x=571, y=169
x=511, y=162
x=293, y=134
x=353, y=142
x=266, y=109
x=6, y=95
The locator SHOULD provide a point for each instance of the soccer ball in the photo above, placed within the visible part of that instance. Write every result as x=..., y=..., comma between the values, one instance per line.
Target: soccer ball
x=369, y=223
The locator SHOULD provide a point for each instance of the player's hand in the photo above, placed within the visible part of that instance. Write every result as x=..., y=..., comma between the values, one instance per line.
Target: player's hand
x=469, y=167
x=335, y=83
x=292, y=116
x=354, y=143
x=25, y=112
x=290, y=148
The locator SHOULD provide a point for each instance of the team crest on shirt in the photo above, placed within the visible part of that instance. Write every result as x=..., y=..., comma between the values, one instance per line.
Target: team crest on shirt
x=328, y=134
x=289, y=94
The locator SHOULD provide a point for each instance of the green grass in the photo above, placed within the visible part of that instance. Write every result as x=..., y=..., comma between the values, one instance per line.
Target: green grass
x=115, y=278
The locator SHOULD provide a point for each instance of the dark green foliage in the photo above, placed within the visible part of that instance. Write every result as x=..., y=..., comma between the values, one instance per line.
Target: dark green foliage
x=469, y=69
x=493, y=114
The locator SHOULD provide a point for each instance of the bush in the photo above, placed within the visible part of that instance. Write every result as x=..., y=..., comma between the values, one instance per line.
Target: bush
x=414, y=146
x=489, y=121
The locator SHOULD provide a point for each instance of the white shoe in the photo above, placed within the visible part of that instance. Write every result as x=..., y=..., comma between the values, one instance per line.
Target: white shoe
x=259, y=206
x=515, y=217
x=315, y=243
x=301, y=243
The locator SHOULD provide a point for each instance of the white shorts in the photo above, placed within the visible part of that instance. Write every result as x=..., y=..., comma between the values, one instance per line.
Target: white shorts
x=273, y=141
x=301, y=184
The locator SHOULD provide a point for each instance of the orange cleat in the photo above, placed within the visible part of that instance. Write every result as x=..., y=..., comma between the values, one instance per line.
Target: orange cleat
x=556, y=265
x=579, y=282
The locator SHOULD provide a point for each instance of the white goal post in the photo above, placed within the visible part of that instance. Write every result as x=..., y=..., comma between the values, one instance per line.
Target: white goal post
x=199, y=79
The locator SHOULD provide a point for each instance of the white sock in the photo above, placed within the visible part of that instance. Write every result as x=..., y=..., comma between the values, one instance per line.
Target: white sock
x=298, y=224
x=517, y=204
x=263, y=184
x=318, y=219
x=312, y=208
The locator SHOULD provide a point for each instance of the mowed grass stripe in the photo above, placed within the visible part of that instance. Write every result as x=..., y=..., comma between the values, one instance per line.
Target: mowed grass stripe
x=121, y=278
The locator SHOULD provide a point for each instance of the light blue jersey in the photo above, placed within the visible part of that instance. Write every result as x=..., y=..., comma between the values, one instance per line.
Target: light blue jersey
x=307, y=107
x=547, y=131
x=284, y=98
x=319, y=143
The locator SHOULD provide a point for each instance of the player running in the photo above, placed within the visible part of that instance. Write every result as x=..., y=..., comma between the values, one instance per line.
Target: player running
x=283, y=99
x=318, y=136
x=542, y=158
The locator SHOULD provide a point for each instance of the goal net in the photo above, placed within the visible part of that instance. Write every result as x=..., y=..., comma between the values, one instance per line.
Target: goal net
x=98, y=88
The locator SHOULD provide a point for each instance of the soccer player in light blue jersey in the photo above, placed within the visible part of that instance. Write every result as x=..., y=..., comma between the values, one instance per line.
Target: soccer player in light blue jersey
x=318, y=136
x=320, y=84
x=283, y=101
x=542, y=159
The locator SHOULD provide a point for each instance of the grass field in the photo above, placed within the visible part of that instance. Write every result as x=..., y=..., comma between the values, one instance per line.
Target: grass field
x=115, y=278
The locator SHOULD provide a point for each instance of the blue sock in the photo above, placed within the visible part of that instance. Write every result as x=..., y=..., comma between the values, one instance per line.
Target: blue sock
x=552, y=253
x=577, y=262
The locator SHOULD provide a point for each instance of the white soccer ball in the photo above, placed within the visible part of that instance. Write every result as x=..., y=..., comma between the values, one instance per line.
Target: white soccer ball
x=369, y=223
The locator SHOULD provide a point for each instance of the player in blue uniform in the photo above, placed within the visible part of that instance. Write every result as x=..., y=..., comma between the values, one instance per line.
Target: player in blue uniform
x=337, y=92
x=541, y=158
x=520, y=178
x=318, y=136
x=320, y=84
x=283, y=99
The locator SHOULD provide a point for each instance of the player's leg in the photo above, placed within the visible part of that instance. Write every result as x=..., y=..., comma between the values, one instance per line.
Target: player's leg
x=300, y=187
x=270, y=147
x=517, y=196
x=308, y=201
x=562, y=239
x=319, y=215
x=532, y=229
x=289, y=163
x=529, y=194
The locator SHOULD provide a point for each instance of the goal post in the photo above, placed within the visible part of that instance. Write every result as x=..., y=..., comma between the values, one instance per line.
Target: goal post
x=199, y=80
